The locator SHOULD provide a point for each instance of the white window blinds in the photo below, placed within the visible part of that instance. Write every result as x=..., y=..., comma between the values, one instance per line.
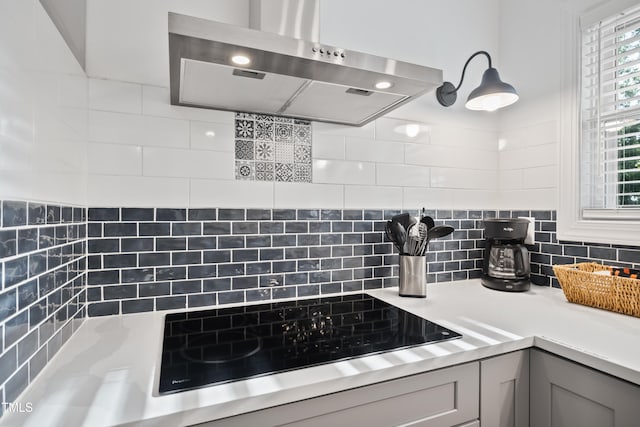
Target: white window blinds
x=610, y=112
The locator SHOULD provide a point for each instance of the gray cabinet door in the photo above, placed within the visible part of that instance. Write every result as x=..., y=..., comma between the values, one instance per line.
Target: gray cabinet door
x=442, y=398
x=504, y=390
x=565, y=394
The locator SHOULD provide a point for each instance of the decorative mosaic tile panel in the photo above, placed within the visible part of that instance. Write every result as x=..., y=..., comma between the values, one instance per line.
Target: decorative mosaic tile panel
x=272, y=148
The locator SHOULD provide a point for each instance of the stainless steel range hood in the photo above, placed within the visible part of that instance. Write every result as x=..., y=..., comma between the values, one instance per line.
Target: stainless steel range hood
x=285, y=76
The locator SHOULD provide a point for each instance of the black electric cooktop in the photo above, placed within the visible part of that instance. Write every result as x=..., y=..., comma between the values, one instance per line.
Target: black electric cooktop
x=203, y=348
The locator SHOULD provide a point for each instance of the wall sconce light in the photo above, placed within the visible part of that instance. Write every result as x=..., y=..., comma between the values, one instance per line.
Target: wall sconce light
x=491, y=95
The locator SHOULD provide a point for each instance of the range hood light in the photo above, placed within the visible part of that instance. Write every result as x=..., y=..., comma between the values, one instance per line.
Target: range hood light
x=383, y=85
x=240, y=59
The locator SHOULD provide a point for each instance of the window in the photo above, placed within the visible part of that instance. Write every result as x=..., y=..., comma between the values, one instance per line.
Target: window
x=609, y=147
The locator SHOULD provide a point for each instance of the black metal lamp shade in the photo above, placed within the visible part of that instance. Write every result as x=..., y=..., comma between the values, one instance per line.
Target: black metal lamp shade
x=491, y=95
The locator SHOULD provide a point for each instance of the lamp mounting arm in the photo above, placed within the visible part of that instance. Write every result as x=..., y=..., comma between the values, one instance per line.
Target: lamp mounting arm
x=447, y=93
x=464, y=69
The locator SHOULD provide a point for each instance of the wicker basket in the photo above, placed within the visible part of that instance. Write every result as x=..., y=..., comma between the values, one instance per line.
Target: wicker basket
x=581, y=286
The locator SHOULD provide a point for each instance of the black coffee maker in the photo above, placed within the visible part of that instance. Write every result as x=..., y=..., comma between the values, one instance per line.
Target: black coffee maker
x=506, y=259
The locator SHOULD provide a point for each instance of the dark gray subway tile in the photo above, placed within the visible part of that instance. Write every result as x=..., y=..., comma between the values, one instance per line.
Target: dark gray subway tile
x=271, y=227
x=309, y=265
x=230, y=242
x=134, y=275
x=27, y=240
x=341, y=226
x=120, y=261
x=319, y=276
x=202, y=271
x=120, y=229
x=271, y=254
x=14, y=213
x=202, y=300
x=8, y=243
x=330, y=288
x=230, y=297
x=171, y=244
x=258, y=268
x=331, y=239
x=284, y=214
x=27, y=295
x=8, y=304
x=245, y=227
x=100, y=245
x=154, y=289
x=186, y=229
x=283, y=292
x=296, y=252
x=15, y=328
x=242, y=255
x=119, y=292
x=602, y=253
x=138, y=244
x=183, y=258
x=296, y=279
x=137, y=214
x=236, y=269
x=154, y=229
x=244, y=282
x=216, y=285
x=284, y=240
x=16, y=384
x=172, y=215
x=308, y=214
x=308, y=239
x=258, y=214
x=104, y=214
x=186, y=287
x=373, y=215
x=283, y=266
x=94, y=294
x=632, y=256
x=258, y=241
x=271, y=280
x=171, y=303
x=307, y=290
x=216, y=256
x=36, y=213
x=95, y=229
x=341, y=251
x=330, y=263
x=103, y=277
x=296, y=227
x=15, y=271
x=231, y=214
x=331, y=214
x=171, y=273
x=137, y=305
x=153, y=259
x=320, y=227
x=352, y=215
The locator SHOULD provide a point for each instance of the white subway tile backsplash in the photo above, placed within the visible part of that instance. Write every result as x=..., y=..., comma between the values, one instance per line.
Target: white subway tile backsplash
x=156, y=102
x=137, y=191
x=372, y=197
x=537, y=134
x=542, y=177
x=212, y=136
x=111, y=95
x=456, y=136
x=132, y=129
x=366, y=131
x=187, y=163
x=114, y=159
x=455, y=178
x=372, y=150
x=327, y=146
x=529, y=157
x=454, y=157
x=304, y=195
x=401, y=130
x=343, y=172
x=402, y=175
x=433, y=198
x=510, y=179
x=543, y=198
x=227, y=193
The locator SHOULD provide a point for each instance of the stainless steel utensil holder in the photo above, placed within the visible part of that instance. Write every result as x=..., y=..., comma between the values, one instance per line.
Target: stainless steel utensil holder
x=413, y=276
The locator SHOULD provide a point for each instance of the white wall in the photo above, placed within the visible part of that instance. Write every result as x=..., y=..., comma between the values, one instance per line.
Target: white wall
x=144, y=152
x=43, y=109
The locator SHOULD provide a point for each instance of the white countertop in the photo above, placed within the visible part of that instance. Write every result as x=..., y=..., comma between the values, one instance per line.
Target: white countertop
x=107, y=373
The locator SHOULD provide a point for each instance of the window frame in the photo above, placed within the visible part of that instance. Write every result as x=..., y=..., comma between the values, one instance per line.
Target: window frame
x=572, y=225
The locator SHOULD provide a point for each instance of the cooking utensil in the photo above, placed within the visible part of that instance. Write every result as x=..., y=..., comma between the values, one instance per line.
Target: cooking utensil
x=390, y=236
x=437, y=232
x=404, y=219
x=428, y=221
x=399, y=235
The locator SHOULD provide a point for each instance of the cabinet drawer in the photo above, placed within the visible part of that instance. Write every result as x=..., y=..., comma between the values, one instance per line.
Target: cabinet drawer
x=445, y=397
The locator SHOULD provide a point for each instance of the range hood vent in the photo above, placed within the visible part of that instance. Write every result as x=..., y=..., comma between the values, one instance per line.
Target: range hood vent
x=285, y=76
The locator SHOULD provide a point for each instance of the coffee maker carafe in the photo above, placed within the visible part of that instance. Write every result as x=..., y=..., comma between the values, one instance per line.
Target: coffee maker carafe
x=506, y=259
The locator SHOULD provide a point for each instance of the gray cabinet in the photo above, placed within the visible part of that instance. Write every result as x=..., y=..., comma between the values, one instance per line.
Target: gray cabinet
x=443, y=398
x=565, y=394
x=504, y=390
